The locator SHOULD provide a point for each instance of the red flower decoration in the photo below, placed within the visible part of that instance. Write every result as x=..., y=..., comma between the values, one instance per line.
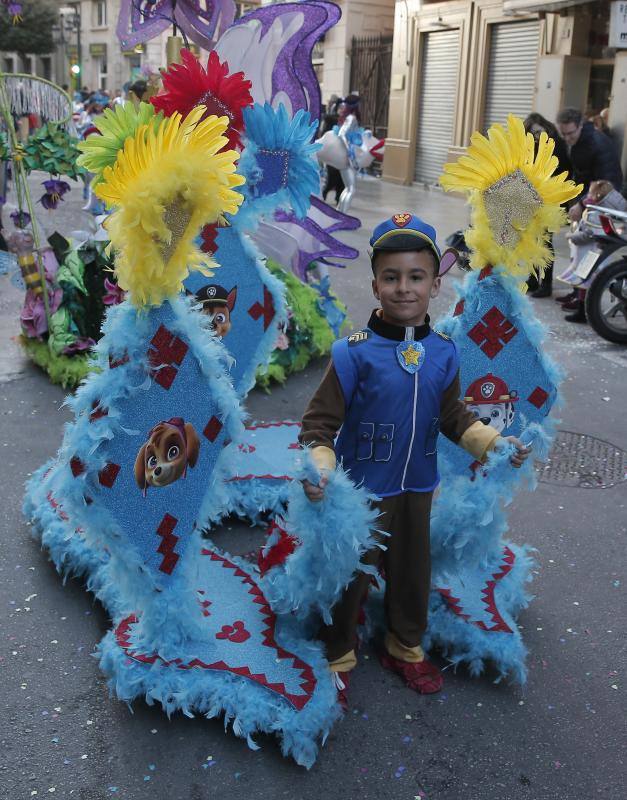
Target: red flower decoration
x=189, y=84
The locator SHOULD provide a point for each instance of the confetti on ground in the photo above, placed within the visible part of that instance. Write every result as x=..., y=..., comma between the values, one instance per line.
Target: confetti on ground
x=151, y=767
x=399, y=772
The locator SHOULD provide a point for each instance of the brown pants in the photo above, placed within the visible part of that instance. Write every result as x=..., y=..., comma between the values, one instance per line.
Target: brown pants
x=407, y=566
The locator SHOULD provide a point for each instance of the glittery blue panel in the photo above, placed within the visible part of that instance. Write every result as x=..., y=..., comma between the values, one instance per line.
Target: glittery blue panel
x=259, y=306
x=274, y=166
x=238, y=629
x=139, y=514
x=492, y=340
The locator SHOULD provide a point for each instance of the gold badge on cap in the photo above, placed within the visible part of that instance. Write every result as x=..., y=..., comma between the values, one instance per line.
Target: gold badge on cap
x=400, y=220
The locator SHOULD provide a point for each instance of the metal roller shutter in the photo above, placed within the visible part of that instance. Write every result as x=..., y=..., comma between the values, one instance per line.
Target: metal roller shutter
x=511, y=70
x=437, y=100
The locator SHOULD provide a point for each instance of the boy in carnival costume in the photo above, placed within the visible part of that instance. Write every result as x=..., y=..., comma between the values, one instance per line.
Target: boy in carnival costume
x=389, y=390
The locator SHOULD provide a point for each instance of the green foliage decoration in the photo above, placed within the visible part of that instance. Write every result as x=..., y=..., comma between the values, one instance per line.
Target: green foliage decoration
x=51, y=149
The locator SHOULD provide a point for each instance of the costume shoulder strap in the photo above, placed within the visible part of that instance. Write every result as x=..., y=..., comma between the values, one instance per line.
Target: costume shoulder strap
x=358, y=337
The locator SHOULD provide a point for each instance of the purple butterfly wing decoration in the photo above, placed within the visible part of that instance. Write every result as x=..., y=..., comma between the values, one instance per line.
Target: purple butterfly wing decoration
x=295, y=243
x=273, y=45
x=202, y=21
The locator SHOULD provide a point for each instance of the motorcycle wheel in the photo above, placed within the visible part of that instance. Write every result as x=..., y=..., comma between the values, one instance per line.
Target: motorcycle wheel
x=606, y=303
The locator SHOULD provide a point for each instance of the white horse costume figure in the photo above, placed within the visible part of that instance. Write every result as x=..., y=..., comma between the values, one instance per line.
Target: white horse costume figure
x=349, y=150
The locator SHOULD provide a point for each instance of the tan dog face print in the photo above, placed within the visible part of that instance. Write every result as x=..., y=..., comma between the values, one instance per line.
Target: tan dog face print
x=172, y=447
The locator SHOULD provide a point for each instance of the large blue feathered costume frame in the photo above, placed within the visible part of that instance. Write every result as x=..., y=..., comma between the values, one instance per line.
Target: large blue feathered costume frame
x=193, y=627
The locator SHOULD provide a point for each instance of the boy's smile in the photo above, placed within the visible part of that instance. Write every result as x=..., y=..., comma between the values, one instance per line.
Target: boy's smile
x=404, y=283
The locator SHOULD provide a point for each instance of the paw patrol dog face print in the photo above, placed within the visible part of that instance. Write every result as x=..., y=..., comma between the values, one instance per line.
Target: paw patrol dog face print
x=491, y=401
x=218, y=304
x=172, y=446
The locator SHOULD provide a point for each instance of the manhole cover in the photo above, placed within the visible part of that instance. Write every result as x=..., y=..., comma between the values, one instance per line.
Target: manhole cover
x=583, y=461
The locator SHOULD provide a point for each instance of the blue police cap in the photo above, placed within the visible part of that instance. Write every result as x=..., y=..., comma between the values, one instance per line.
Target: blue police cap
x=403, y=232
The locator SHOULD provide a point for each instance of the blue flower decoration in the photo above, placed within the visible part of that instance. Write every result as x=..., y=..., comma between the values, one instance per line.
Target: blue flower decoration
x=279, y=161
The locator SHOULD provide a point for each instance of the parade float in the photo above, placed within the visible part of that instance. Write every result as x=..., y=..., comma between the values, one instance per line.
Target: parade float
x=264, y=56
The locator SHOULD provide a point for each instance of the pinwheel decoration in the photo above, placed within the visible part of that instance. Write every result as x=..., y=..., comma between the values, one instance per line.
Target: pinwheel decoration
x=201, y=21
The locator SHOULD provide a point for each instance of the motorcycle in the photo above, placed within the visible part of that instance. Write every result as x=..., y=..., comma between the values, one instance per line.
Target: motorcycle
x=603, y=272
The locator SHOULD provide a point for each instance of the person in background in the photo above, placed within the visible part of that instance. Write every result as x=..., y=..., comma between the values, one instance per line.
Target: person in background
x=137, y=92
x=536, y=124
x=333, y=182
x=592, y=154
x=118, y=100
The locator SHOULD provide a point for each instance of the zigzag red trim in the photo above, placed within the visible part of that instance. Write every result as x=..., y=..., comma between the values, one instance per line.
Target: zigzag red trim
x=454, y=603
x=57, y=507
x=506, y=565
x=122, y=635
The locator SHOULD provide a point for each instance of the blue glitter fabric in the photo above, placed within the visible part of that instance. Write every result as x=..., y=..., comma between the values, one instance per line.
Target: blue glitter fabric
x=259, y=305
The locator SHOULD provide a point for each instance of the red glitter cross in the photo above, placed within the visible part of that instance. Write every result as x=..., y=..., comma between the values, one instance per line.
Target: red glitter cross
x=212, y=429
x=108, y=475
x=492, y=332
x=166, y=548
x=166, y=350
x=266, y=310
x=538, y=397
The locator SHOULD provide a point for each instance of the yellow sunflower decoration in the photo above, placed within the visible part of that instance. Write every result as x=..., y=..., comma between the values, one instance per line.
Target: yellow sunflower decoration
x=516, y=200
x=169, y=180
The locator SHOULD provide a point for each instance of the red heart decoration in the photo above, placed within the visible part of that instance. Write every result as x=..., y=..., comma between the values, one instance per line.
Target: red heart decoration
x=234, y=633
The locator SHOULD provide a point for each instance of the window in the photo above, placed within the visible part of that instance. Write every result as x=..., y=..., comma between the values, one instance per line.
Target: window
x=46, y=67
x=102, y=72
x=99, y=14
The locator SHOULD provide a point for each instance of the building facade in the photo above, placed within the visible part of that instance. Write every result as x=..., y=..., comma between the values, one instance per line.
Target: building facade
x=359, y=18
x=461, y=65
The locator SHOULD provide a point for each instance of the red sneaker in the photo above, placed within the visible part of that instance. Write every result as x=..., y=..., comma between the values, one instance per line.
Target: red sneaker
x=341, y=680
x=423, y=677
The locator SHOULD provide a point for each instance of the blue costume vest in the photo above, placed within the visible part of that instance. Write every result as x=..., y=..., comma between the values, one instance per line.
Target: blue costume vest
x=388, y=440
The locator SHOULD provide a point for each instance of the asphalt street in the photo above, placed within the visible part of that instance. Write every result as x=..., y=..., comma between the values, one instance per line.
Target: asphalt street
x=560, y=737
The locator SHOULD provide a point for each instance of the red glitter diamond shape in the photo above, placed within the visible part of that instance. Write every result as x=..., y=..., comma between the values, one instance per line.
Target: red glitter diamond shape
x=459, y=308
x=212, y=429
x=77, y=466
x=108, y=474
x=168, y=543
x=538, y=397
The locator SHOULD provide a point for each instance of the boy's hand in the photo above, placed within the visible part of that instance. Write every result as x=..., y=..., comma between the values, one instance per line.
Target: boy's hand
x=314, y=492
x=520, y=456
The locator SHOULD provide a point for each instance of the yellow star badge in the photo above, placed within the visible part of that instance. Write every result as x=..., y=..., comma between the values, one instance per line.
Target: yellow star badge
x=411, y=356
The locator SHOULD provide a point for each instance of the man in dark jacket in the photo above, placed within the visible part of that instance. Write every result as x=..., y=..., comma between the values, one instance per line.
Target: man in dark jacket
x=593, y=157
x=592, y=154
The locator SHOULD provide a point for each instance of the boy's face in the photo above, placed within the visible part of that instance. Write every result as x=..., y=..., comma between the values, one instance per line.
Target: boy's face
x=404, y=283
